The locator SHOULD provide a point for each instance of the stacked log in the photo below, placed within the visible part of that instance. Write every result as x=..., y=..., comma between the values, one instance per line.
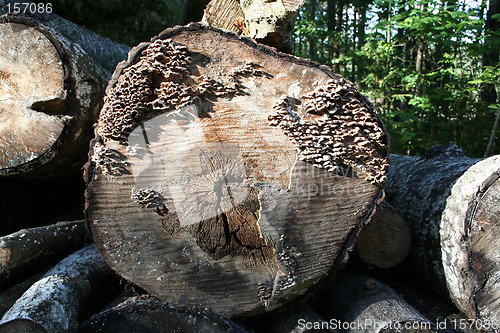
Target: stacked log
x=268, y=22
x=385, y=241
x=53, y=75
x=29, y=249
x=362, y=304
x=53, y=303
x=227, y=185
x=451, y=203
x=146, y=314
x=233, y=178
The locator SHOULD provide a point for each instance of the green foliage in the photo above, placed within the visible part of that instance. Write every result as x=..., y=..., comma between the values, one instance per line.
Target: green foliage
x=419, y=61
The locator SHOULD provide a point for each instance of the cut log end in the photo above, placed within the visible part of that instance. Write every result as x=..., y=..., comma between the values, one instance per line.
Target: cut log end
x=485, y=242
x=32, y=75
x=470, y=240
x=234, y=168
x=386, y=240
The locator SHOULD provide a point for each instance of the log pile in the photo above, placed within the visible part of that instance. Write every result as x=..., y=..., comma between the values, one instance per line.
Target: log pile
x=243, y=191
x=451, y=203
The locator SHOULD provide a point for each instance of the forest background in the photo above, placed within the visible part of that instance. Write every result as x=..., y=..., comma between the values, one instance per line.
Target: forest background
x=430, y=67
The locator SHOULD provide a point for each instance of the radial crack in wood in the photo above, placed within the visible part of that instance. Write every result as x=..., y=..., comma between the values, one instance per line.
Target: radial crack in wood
x=196, y=193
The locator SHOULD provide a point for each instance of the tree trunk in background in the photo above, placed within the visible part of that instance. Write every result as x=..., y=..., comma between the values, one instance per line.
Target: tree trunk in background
x=451, y=203
x=335, y=16
x=491, y=56
x=54, y=75
x=221, y=156
x=312, y=43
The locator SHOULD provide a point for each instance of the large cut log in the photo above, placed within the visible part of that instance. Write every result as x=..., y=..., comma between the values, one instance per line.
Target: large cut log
x=268, y=22
x=385, y=241
x=53, y=75
x=52, y=304
x=27, y=249
x=358, y=303
x=146, y=315
x=452, y=204
x=227, y=175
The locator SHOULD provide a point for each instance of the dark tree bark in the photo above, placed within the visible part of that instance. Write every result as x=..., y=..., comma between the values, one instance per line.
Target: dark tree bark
x=218, y=155
x=299, y=319
x=193, y=10
x=491, y=56
x=9, y=296
x=451, y=203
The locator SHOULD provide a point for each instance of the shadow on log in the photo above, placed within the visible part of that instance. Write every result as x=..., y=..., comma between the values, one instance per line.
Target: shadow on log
x=451, y=202
x=241, y=180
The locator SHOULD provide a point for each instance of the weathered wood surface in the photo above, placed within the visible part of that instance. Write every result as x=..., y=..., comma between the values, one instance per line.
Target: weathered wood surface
x=53, y=74
x=271, y=22
x=28, y=248
x=225, y=14
x=451, y=202
x=241, y=177
x=52, y=304
x=146, y=315
x=358, y=303
x=268, y=22
x=386, y=240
